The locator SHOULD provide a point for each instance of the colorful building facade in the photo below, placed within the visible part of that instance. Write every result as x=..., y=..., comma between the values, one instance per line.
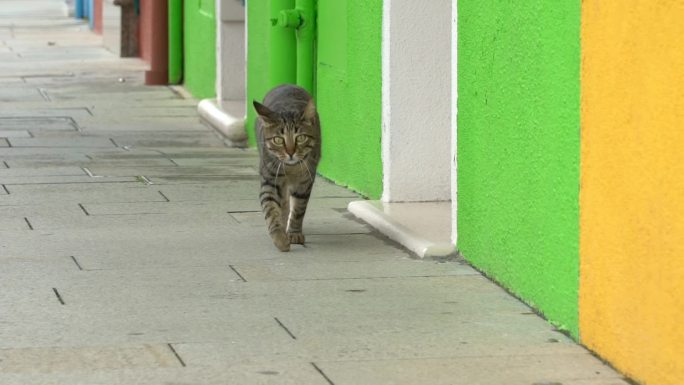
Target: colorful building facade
x=570, y=130
x=554, y=129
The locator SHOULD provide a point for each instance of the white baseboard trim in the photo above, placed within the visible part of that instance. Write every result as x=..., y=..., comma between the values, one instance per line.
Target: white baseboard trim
x=370, y=212
x=228, y=119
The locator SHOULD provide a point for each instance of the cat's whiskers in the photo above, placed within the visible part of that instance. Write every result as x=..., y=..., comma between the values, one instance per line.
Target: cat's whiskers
x=278, y=172
x=307, y=170
x=301, y=167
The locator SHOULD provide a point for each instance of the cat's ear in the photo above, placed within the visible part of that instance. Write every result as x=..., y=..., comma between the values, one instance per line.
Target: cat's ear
x=310, y=111
x=265, y=113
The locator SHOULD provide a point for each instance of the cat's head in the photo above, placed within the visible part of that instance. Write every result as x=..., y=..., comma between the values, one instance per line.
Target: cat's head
x=289, y=136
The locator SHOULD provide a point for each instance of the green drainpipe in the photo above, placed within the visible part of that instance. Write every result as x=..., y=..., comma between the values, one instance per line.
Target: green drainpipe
x=175, y=41
x=305, y=44
x=282, y=62
x=302, y=20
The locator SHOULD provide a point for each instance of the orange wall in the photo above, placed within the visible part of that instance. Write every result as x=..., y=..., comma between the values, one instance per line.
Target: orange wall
x=632, y=186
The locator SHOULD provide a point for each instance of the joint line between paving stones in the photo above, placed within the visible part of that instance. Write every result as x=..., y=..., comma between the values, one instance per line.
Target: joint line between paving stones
x=164, y=196
x=6, y=190
x=88, y=172
x=175, y=353
x=285, y=328
x=322, y=373
x=113, y=142
x=65, y=183
x=5, y=163
x=84, y=209
x=44, y=94
x=9, y=144
x=28, y=223
x=238, y=274
x=59, y=297
x=76, y=262
x=175, y=92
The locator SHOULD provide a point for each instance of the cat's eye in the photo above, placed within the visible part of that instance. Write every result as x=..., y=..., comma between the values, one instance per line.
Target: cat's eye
x=301, y=139
x=278, y=140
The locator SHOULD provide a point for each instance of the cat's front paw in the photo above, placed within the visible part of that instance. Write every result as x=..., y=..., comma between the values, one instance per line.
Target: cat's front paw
x=296, y=238
x=281, y=241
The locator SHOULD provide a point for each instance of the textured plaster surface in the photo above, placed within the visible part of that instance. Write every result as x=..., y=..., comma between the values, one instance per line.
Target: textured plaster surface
x=349, y=93
x=518, y=149
x=416, y=101
x=231, y=45
x=199, y=75
x=632, y=201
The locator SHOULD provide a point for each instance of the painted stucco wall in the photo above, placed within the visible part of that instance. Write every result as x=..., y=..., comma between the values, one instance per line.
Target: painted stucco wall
x=199, y=61
x=518, y=149
x=348, y=87
x=349, y=93
x=632, y=199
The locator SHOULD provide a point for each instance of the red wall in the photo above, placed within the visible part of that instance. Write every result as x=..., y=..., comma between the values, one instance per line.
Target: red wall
x=98, y=16
x=154, y=47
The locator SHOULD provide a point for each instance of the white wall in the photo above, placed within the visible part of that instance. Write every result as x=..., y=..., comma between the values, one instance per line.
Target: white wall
x=454, y=121
x=230, y=79
x=111, y=23
x=417, y=100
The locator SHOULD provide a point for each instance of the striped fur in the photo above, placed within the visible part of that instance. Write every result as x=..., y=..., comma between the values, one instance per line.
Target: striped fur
x=289, y=139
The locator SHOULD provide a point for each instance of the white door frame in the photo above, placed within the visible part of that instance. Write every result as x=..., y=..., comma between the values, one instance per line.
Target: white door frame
x=419, y=102
x=230, y=50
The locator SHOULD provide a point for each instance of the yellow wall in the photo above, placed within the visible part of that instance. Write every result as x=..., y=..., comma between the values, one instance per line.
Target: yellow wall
x=632, y=186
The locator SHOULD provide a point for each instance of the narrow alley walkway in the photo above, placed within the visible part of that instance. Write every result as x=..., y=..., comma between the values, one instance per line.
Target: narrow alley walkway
x=132, y=251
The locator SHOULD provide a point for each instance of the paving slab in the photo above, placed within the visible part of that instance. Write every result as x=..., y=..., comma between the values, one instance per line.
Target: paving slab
x=257, y=374
x=15, y=134
x=74, y=193
x=53, y=359
x=513, y=370
x=67, y=142
x=45, y=171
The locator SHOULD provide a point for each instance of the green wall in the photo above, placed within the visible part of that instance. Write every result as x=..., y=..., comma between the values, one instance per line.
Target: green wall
x=348, y=87
x=518, y=149
x=349, y=92
x=200, y=47
x=175, y=41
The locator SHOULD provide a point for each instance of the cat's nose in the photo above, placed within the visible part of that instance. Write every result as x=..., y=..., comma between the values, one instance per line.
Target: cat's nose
x=290, y=152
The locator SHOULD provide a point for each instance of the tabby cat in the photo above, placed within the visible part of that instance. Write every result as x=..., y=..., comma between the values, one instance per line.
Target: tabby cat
x=288, y=134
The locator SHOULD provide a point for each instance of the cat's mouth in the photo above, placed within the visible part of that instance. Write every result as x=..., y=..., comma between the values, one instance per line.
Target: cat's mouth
x=291, y=162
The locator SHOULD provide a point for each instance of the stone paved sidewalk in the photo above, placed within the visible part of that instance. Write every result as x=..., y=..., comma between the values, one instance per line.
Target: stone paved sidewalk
x=132, y=251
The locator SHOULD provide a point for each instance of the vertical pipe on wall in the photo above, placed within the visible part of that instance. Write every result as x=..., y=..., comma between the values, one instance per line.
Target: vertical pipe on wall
x=79, y=9
x=305, y=44
x=175, y=41
x=90, y=13
x=282, y=63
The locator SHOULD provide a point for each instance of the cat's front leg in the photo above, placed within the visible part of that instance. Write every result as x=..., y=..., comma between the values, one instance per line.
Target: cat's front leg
x=299, y=202
x=273, y=213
